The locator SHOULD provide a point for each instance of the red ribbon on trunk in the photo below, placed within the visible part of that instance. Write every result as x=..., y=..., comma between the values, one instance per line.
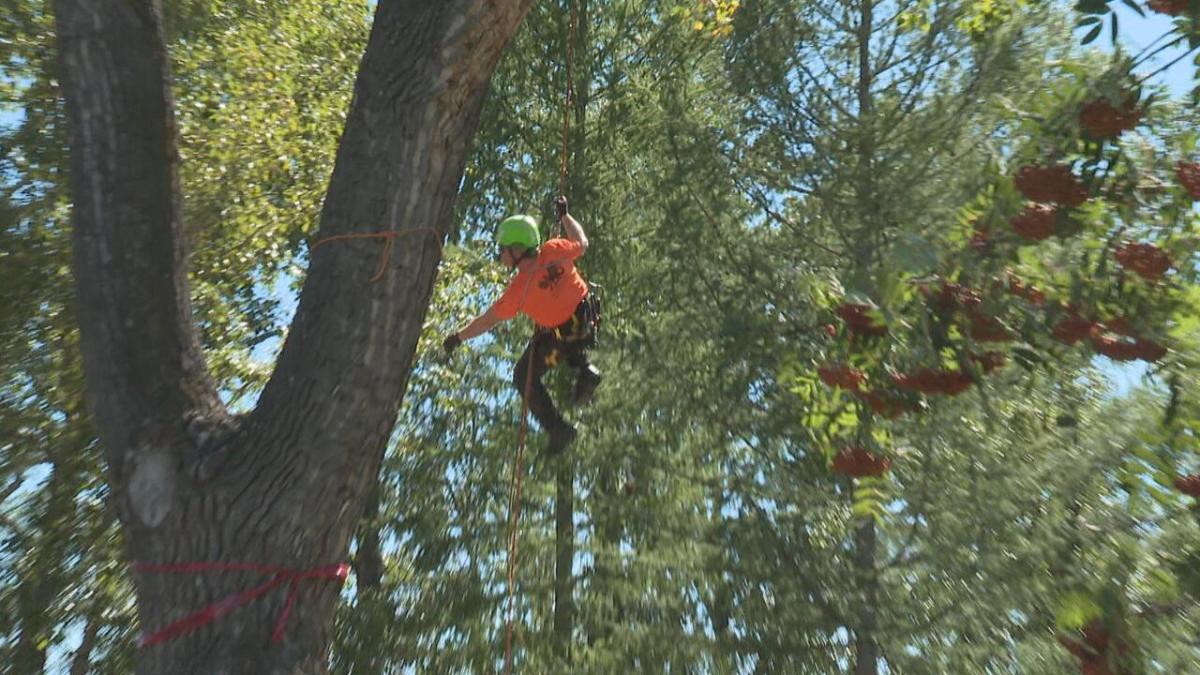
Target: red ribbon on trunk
x=218, y=609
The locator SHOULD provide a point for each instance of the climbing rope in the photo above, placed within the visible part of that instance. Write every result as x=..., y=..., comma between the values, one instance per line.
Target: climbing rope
x=566, y=125
x=390, y=237
x=514, y=510
x=519, y=467
x=562, y=169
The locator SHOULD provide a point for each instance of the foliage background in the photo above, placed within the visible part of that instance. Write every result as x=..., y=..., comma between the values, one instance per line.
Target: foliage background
x=739, y=176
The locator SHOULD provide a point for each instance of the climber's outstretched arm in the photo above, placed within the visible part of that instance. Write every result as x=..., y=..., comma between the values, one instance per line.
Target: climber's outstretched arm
x=478, y=326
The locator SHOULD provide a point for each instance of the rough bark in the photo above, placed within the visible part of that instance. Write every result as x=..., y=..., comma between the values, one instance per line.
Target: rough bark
x=286, y=484
x=368, y=559
x=564, y=558
x=866, y=642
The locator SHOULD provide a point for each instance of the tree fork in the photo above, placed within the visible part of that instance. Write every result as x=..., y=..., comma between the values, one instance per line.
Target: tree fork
x=286, y=484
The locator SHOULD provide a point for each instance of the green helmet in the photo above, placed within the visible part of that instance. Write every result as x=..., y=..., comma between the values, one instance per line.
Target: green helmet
x=518, y=231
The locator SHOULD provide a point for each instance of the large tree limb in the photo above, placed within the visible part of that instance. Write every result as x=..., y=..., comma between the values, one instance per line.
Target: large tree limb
x=285, y=487
x=144, y=368
x=416, y=106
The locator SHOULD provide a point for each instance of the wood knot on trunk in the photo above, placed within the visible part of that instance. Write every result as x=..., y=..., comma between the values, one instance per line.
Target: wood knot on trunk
x=152, y=486
x=211, y=437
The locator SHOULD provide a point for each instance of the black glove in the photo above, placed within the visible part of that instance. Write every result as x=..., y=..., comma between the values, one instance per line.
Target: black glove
x=451, y=343
x=560, y=207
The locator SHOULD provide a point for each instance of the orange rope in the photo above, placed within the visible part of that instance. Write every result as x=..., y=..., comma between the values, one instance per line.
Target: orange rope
x=386, y=256
x=566, y=131
x=562, y=171
x=519, y=469
x=514, y=510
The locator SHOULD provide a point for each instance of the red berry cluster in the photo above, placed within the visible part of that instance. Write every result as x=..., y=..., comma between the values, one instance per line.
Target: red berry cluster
x=1169, y=7
x=950, y=295
x=934, y=381
x=846, y=377
x=1017, y=287
x=1035, y=222
x=986, y=328
x=1188, y=174
x=980, y=239
x=1189, y=485
x=1101, y=119
x=1072, y=328
x=855, y=461
x=1119, y=348
x=1146, y=260
x=884, y=405
x=1053, y=183
x=861, y=319
x=988, y=361
x=1113, y=338
x=1092, y=649
x=842, y=376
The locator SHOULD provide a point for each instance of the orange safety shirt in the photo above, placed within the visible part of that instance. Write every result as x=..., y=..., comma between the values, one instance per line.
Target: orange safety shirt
x=550, y=290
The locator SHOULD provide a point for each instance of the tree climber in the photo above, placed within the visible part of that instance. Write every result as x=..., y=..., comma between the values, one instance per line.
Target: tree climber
x=550, y=291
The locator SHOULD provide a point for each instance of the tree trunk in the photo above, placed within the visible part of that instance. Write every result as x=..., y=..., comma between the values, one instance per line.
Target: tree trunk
x=368, y=558
x=564, y=559
x=286, y=484
x=866, y=645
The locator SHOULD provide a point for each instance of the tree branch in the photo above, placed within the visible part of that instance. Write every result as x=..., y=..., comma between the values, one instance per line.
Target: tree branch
x=344, y=368
x=142, y=358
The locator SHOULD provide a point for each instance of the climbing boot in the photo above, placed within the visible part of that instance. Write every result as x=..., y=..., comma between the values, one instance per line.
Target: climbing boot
x=585, y=385
x=561, y=435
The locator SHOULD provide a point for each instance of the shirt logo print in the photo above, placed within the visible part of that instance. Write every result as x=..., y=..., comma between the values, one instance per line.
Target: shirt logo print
x=550, y=280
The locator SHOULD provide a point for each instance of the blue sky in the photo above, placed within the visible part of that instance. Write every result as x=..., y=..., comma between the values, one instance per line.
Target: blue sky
x=1137, y=33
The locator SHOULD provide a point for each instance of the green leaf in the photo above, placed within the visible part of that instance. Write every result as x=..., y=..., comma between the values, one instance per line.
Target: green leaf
x=914, y=254
x=1151, y=458
x=1135, y=7
x=1092, y=34
x=1092, y=7
x=1161, y=586
x=1075, y=610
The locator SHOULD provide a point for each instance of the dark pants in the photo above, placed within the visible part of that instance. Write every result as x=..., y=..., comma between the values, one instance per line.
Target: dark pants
x=549, y=347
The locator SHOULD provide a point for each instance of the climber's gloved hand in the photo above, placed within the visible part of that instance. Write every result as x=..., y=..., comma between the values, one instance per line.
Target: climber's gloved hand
x=451, y=343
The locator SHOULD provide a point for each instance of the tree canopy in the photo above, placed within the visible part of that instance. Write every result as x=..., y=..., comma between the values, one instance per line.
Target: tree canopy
x=901, y=324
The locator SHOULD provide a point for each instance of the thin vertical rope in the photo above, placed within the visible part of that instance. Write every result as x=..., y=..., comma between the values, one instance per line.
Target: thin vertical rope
x=514, y=510
x=519, y=466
